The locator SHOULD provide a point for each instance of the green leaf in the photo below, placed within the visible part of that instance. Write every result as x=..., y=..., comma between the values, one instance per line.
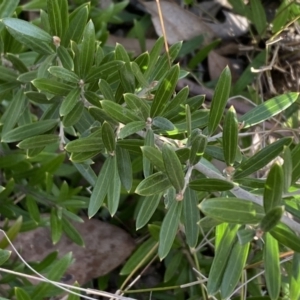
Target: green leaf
x=163, y=123
x=198, y=145
x=147, y=210
x=12, y=113
x=87, y=144
x=118, y=112
x=72, y=232
x=219, y=263
x=69, y=102
x=127, y=78
x=211, y=185
x=268, y=109
x=65, y=58
x=138, y=105
x=138, y=74
x=219, y=100
x=114, y=190
x=54, y=17
x=38, y=141
x=78, y=20
x=188, y=119
x=52, y=86
x=124, y=167
x=295, y=277
x=33, y=208
x=258, y=16
x=106, y=90
x=87, y=49
x=153, y=184
x=28, y=130
x=173, y=167
x=191, y=217
x=74, y=115
x=271, y=219
x=230, y=136
x=154, y=156
x=79, y=157
x=149, y=141
x=4, y=256
x=273, y=188
x=19, y=28
x=286, y=236
x=261, y=158
x=12, y=232
x=64, y=74
x=232, y=210
x=246, y=235
x=234, y=268
x=103, y=70
x=108, y=137
x=8, y=7
x=295, y=163
x=287, y=168
x=169, y=229
x=135, y=259
x=164, y=91
x=56, y=226
x=272, y=266
x=21, y=294
x=131, y=128
x=101, y=186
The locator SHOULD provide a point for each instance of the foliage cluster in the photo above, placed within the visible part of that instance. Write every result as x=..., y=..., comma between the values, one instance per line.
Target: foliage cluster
x=68, y=102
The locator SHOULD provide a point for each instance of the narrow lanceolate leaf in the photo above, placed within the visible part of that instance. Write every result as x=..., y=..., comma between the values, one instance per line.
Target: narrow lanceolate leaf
x=258, y=16
x=230, y=136
x=65, y=58
x=139, y=75
x=131, y=128
x=169, y=229
x=87, y=49
x=232, y=210
x=285, y=236
x=191, y=217
x=138, y=105
x=64, y=74
x=74, y=115
x=273, y=188
x=287, y=168
x=54, y=17
x=234, y=269
x=173, y=167
x=219, y=263
x=154, y=156
x=149, y=141
x=118, y=112
x=12, y=232
x=56, y=226
x=4, y=256
x=153, y=184
x=147, y=209
x=38, y=141
x=87, y=144
x=219, y=100
x=108, y=137
x=268, y=109
x=69, y=102
x=114, y=189
x=19, y=28
x=163, y=123
x=106, y=90
x=261, y=158
x=52, y=86
x=127, y=78
x=12, y=113
x=28, y=130
x=295, y=277
x=198, y=145
x=164, y=91
x=21, y=294
x=295, y=163
x=271, y=219
x=272, y=266
x=124, y=167
x=101, y=187
x=211, y=185
x=188, y=119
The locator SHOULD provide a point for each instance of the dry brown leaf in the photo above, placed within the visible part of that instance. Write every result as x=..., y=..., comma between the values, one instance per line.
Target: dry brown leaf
x=106, y=247
x=179, y=23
